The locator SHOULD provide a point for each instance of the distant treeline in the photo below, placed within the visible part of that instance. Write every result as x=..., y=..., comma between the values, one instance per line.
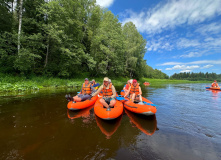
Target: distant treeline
x=197, y=76
x=69, y=38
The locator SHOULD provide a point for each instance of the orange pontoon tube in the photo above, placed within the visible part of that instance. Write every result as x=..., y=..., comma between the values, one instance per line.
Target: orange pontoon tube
x=214, y=88
x=81, y=105
x=102, y=112
x=148, y=108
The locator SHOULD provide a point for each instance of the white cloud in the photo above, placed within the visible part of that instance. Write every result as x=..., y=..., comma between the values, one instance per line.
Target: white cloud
x=191, y=54
x=212, y=28
x=185, y=71
x=105, y=3
x=183, y=67
x=174, y=13
x=207, y=66
x=194, y=62
x=185, y=43
x=159, y=44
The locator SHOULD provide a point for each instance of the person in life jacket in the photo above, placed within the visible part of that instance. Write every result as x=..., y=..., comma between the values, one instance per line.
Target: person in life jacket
x=93, y=82
x=126, y=87
x=108, y=93
x=134, y=91
x=85, y=93
x=215, y=84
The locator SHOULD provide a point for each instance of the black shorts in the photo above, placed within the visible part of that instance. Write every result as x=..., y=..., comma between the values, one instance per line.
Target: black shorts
x=107, y=100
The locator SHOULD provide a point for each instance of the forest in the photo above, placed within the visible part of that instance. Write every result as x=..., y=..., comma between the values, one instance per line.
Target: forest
x=69, y=39
x=197, y=76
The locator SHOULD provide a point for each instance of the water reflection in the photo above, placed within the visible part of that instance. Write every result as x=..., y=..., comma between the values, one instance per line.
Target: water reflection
x=108, y=128
x=84, y=113
x=147, y=124
x=215, y=94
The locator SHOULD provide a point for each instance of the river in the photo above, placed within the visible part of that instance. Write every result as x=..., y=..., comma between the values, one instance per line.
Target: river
x=187, y=125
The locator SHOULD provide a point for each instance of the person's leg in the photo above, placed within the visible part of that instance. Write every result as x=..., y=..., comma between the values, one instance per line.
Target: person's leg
x=104, y=103
x=112, y=102
x=77, y=98
x=133, y=97
x=85, y=97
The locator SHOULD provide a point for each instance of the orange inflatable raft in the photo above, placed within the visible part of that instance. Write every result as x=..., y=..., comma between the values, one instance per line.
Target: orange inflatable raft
x=102, y=112
x=148, y=108
x=81, y=105
x=214, y=88
x=147, y=124
x=146, y=83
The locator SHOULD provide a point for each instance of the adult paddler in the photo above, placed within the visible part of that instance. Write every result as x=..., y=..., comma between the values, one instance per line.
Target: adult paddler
x=134, y=91
x=108, y=93
x=215, y=84
x=85, y=93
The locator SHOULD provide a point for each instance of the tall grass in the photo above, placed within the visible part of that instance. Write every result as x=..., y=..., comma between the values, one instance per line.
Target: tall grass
x=20, y=83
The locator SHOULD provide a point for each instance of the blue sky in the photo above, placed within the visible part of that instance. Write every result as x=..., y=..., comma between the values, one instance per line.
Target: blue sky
x=182, y=35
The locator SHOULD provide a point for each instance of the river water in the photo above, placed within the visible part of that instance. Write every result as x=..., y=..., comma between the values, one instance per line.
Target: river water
x=187, y=125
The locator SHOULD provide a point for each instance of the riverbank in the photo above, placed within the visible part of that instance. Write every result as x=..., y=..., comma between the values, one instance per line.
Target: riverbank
x=10, y=83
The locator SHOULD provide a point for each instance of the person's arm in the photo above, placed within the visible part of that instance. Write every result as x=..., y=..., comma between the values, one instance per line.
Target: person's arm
x=140, y=92
x=98, y=91
x=128, y=91
x=113, y=91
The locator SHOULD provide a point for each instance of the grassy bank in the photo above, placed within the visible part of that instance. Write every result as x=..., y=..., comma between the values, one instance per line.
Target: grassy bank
x=10, y=83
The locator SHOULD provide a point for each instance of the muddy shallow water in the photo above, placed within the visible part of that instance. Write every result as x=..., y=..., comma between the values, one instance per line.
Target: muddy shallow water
x=187, y=125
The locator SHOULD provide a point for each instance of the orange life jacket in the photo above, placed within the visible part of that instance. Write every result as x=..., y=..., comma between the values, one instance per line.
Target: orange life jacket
x=107, y=92
x=127, y=86
x=214, y=85
x=86, y=89
x=134, y=89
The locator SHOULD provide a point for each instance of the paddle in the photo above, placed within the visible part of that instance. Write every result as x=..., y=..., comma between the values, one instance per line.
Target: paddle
x=207, y=87
x=150, y=104
x=119, y=98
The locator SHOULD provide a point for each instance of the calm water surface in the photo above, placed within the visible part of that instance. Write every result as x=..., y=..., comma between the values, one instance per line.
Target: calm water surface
x=187, y=126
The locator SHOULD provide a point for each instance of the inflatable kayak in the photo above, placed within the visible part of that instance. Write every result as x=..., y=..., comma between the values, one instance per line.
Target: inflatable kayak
x=146, y=83
x=102, y=112
x=214, y=88
x=147, y=108
x=108, y=128
x=81, y=105
x=147, y=125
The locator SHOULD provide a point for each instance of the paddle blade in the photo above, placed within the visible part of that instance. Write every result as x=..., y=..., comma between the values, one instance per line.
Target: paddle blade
x=120, y=98
x=150, y=104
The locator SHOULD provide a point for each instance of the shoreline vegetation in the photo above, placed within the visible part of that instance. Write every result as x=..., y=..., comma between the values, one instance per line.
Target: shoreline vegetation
x=9, y=83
